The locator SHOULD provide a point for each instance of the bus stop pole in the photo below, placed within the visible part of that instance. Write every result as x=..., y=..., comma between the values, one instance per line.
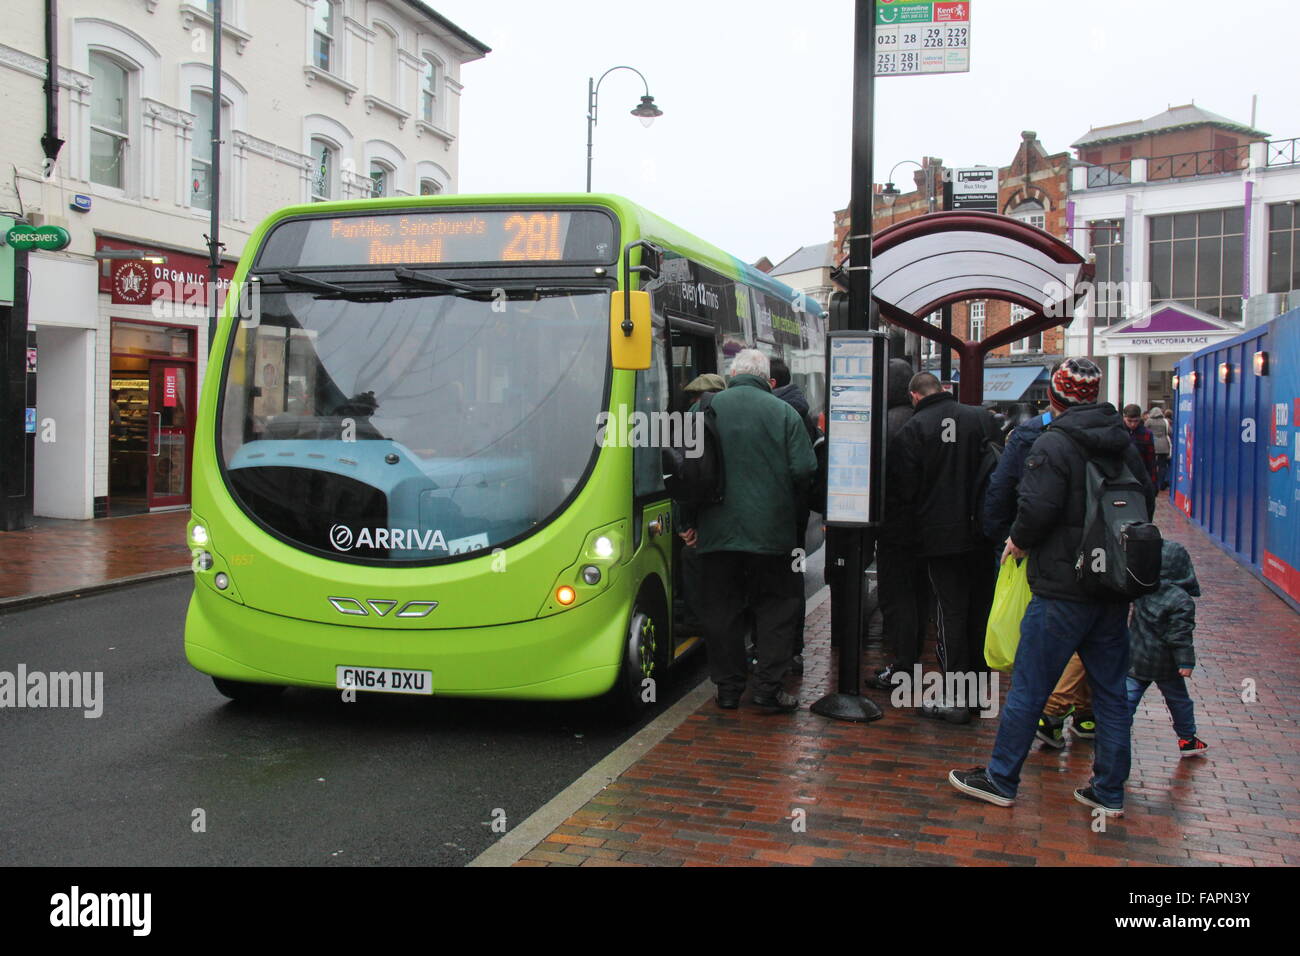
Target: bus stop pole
x=852, y=545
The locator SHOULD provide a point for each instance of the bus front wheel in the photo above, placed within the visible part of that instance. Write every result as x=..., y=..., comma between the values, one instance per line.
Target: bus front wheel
x=640, y=673
x=247, y=693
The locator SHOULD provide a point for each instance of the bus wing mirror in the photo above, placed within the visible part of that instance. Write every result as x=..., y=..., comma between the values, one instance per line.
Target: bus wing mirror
x=629, y=330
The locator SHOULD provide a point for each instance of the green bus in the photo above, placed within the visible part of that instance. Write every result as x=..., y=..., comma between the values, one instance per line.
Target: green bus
x=412, y=466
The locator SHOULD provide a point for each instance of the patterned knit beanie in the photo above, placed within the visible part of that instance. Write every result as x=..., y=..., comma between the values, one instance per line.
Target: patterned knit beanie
x=1076, y=382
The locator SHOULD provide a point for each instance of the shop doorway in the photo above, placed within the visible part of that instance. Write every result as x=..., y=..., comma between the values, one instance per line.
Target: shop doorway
x=151, y=417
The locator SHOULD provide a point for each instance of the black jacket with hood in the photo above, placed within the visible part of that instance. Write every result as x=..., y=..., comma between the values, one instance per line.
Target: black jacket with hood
x=936, y=459
x=1053, y=503
x=794, y=396
x=1160, y=635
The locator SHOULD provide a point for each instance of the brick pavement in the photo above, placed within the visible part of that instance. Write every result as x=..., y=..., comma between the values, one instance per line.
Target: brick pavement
x=58, y=556
x=726, y=786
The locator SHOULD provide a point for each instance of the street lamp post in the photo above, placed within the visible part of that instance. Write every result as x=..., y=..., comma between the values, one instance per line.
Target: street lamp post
x=645, y=111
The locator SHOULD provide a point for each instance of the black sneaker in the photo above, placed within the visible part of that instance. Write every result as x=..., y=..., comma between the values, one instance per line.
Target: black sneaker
x=1083, y=725
x=883, y=679
x=1088, y=797
x=1051, y=731
x=975, y=782
x=782, y=703
x=1192, y=748
x=953, y=715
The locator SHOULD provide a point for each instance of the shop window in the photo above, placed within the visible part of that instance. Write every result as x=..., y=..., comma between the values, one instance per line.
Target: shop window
x=1195, y=258
x=1108, y=248
x=1283, y=247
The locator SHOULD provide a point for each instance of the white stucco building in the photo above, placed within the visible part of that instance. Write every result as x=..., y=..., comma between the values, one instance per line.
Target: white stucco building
x=320, y=99
x=1191, y=219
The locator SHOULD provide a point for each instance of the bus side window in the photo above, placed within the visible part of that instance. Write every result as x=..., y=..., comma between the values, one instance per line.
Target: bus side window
x=651, y=396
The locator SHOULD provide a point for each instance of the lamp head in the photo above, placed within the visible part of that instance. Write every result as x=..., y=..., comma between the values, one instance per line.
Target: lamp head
x=647, y=111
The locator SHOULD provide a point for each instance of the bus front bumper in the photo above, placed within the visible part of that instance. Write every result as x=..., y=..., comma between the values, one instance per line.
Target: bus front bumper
x=572, y=655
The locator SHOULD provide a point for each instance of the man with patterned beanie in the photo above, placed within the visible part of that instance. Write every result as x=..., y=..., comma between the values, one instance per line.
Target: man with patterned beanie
x=1063, y=618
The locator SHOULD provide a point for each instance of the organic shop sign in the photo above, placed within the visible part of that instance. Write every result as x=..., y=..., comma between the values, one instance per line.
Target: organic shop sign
x=49, y=238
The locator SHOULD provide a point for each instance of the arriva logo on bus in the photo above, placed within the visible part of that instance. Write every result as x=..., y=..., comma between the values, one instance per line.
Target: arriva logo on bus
x=344, y=539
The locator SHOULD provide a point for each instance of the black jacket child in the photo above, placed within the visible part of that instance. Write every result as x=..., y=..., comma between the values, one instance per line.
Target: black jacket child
x=1160, y=635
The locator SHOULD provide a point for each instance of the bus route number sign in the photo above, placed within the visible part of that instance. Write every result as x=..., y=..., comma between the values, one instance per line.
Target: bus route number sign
x=435, y=236
x=919, y=37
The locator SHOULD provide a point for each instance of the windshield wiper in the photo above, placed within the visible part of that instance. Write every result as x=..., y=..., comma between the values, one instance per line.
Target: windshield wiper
x=328, y=290
x=307, y=282
x=425, y=278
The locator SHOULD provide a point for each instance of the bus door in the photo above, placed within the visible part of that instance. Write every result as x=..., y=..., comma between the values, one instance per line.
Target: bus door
x=693, y=352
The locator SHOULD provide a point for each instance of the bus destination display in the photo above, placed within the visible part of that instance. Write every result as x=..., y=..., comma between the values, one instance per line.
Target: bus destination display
x=430, y=238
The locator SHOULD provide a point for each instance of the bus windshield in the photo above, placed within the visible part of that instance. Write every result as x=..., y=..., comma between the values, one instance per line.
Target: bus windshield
x=417, y=428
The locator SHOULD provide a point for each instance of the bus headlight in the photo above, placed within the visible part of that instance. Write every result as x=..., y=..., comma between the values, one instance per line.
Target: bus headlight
x=222, y=580
x=604, y=548
x=591, y=574
x=565, y=595
x=199, y=534
x=203, y=561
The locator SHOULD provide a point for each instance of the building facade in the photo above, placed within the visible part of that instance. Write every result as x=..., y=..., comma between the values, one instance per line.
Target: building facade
x=1191, y=220
x=320, y=100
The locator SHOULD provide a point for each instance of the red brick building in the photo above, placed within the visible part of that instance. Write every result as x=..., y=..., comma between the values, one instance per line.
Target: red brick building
x=1034, y=188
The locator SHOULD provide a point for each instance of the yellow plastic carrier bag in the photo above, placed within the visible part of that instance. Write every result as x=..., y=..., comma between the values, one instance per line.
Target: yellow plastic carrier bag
x=1009, y=602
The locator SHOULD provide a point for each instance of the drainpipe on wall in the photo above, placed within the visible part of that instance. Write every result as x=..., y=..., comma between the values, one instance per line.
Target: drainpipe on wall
x=50, y=142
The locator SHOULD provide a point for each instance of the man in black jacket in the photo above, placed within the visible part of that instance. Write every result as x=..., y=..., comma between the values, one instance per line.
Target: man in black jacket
x=1062, y=617
x=939, y=454
x=900, y=574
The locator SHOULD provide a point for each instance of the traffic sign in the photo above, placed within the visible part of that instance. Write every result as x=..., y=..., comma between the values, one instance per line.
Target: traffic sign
x=919, y=37
x=49, y=238
x=975, y=188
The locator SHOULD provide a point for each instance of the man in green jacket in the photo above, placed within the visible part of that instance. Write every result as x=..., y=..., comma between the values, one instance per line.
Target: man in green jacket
x=746, y=542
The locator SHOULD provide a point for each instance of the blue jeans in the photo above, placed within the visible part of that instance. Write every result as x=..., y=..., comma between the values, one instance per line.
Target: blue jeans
x=1177, y=700
x=1051, y=631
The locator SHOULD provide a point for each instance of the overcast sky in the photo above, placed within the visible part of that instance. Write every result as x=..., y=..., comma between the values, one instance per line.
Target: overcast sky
x=752, y=152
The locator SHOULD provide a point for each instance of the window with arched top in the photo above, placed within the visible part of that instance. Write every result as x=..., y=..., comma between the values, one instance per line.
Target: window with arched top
x=383, y=67
x=110, y=119
x=324, y=169
x=429, y=187
x=381, y=179
x=201, y=153
x=430, y=87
